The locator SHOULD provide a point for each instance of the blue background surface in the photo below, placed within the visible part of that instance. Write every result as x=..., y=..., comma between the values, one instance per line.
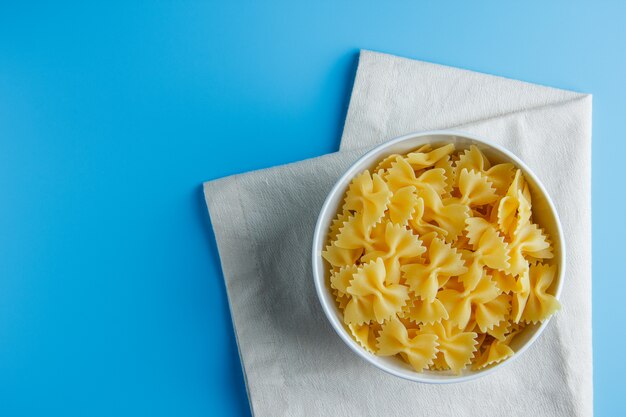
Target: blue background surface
x=111, y=295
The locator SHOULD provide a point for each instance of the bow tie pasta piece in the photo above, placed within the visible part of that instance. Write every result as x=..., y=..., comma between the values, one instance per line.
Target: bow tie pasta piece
x=396, y=245
x=423, y=159
x=484, y=238
x=372, y=299
x=457, y=347
x=514, y=208
x=484, y=297
x=434, y=257
x=499, y=175
x=368, y=195
x=487, y=242
x=528, y=241
x=419, y=350
x=425, y=279
x=475, y=188
x=401, y=175
x=490, y=250
x=402, y=205
x=540, y=305
x=422, y=311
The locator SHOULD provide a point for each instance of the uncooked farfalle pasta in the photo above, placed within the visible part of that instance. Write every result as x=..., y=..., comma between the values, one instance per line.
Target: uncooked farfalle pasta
x=435, y=258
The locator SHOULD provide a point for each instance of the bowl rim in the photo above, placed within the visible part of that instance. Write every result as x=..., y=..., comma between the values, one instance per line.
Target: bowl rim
x=319, y=275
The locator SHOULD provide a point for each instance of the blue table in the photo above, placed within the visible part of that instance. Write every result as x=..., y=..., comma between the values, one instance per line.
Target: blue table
x=111, y=116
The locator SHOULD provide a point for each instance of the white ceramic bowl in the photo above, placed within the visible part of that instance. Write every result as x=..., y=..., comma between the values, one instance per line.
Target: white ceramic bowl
x=544, y=213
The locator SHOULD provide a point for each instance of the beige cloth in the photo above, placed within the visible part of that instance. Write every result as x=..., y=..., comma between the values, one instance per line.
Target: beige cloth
x=295, y=365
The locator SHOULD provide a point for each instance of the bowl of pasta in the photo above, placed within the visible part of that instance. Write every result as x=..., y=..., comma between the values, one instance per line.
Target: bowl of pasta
x=439, y=257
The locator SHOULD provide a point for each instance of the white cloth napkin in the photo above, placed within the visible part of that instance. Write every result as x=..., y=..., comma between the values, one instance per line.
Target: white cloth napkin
x=294, y=364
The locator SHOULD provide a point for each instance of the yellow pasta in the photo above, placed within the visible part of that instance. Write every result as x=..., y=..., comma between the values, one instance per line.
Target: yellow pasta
x=402, y=205
x=369, y=195
x=418, y=348
x=401, y=175
x=456, y=346
x=495, y=353
x=397, y=245
x=449, y=216
x=366, y=335
x=339, y=257
x=540, y=304
x=448, y=168
x=340, y=280
x=435, y=258
x=485, y=301
x=422, y=311
x=475, y=188
x=423, y=159
x=425, y=279
x=499, y=175
x=373, y=299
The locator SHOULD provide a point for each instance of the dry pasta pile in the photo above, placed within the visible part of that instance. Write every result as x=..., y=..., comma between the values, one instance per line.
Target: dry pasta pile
x=435, y=258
